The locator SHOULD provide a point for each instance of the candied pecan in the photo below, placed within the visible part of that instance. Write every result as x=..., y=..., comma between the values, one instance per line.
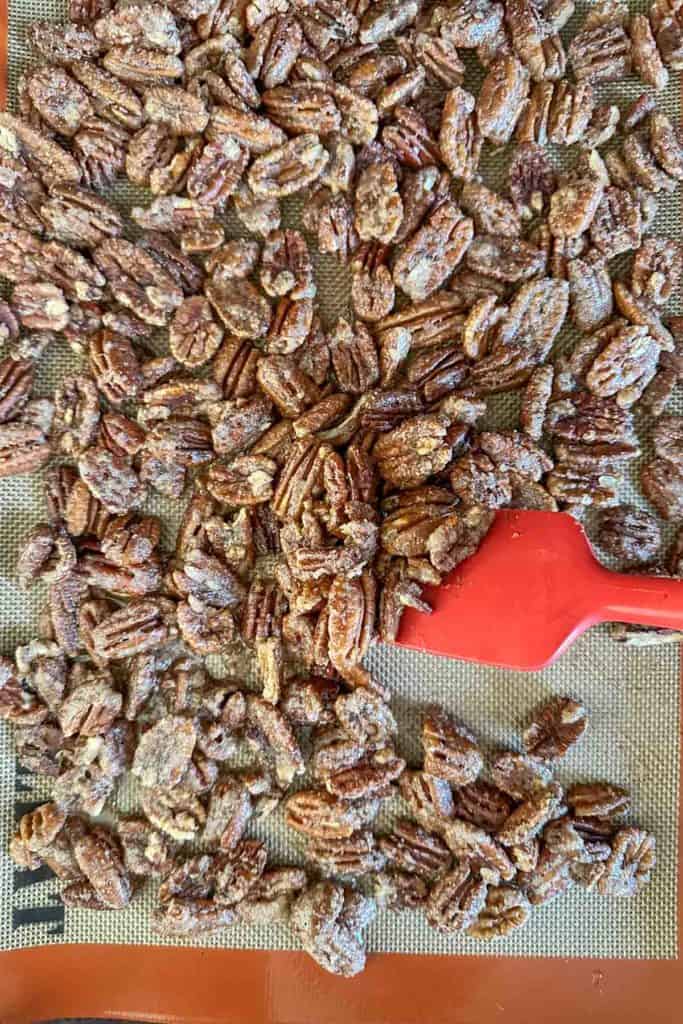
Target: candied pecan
x=274, y=49
x=479, y=326
x=519, y=775
x=40, y=306
x=570, y=112
x=288, y=168
x=550, y=878
x=208, y=579
x=456, y=900
x=138, y=626
x=38, y=829
x=60, y=102
x=630, y=864
x=527, y=31
x=350, y=857
x=290, y=326
x=533, y=121
x=598, y=799
x=268, y=724
x=639, y=311
x=505, y=910
x=164, y=751
x=152, y=158
x=628, y=354
x=62, y=43
x=482, y=804
x=460, y=140
x=378, y=206
x=329, y=920
x=100, y=148
x=656, y=270
x=234, y=259
x=529, y=817
x=66, y=595
x=574, y=203
x=457, y=537
x=662, y=483
x=354, y=357
x=630, y=533
x=46, y=552
x=370, y=776
x=600, y=54
x=299, y=476
x=408, y=523
x=320, y=815
x=241, y=424
x=429, y=797
x=647, y=60
x=365, y=717
x=471, y=24
x=78, y=217
x=187, y=917
x=141, y=66
x=302, y=106
x=98, y=855
x=601, y=127
x=531, y=180
x=181, y=270
x=230, y=809
x=194, y=336
x=111, y=480
x=77, y=414
x=115, y=367
x=492, y=214
x=590, y=293
x=238, y=871
x=399, y=890
x=415, y=850
x=665, y=145
x=500, y=99
x=505, y=259
x=83, y=788
x=286, y=266
x=372, y=287
x=176, y=812
x=18, y=703
x=616, y=226
x=351, y=621
x=52, y=163
x=556, y=727
x=138, y=281
x=247, y=481
x=450, y=750
x=43, y=666
x=244, y=311
x=145, y=851
x=515, y=452
x=642, y=159
x=535, y=400
x=536, y=314
x=413, y=451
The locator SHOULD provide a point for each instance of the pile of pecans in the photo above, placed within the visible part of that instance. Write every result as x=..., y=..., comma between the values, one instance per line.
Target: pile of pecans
x=477, y=855
x=328, y=470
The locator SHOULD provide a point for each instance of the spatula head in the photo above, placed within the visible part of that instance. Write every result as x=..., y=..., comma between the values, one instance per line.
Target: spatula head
x=519, y=601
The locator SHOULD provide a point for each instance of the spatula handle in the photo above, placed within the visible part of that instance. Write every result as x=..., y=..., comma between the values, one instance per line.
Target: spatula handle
x=644, y=600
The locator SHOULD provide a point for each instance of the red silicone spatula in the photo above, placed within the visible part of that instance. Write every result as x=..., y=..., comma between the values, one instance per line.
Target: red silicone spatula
x=533, y=586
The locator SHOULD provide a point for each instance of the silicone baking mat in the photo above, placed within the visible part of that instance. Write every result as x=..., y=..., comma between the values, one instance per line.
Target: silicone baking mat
x=632, y=696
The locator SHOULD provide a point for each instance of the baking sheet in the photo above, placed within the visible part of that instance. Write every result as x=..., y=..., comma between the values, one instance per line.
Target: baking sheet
x=632, y=696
